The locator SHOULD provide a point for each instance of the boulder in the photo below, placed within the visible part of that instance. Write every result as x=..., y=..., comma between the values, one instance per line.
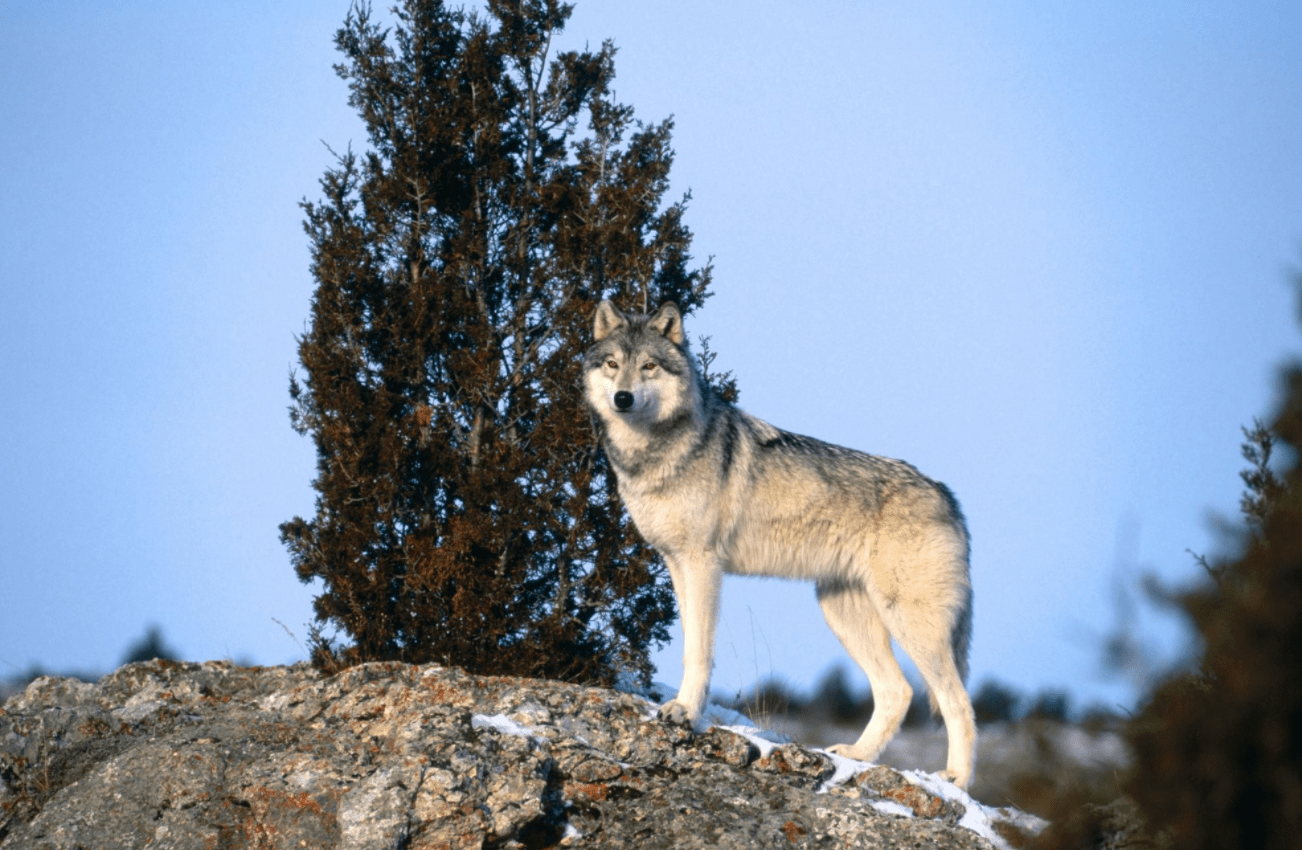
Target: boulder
x=168, y=755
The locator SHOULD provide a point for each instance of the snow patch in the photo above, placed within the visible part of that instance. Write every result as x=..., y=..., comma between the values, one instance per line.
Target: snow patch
x=502, y=723
x=977, y=817
x=845, y=770
x=890, y=807
x=763, y=740
x=714, y=714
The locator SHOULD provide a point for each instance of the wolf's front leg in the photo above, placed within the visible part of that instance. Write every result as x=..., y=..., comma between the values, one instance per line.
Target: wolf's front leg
x=697, y=581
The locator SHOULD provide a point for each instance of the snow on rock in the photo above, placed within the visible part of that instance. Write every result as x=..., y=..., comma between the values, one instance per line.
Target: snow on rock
x=501, y=723
x=891, y=807
x=976, y=817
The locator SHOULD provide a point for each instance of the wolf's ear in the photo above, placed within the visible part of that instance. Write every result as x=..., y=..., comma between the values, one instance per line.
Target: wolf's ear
x=607, y=321
x=668, y=322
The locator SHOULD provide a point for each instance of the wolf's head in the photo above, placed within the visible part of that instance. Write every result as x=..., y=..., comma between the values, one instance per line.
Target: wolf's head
x=638, y=370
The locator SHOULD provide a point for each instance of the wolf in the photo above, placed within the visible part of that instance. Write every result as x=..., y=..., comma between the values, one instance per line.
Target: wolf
x=716, y=490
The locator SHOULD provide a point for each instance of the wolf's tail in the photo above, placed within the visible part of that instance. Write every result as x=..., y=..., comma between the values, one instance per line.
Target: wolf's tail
x=960, y=640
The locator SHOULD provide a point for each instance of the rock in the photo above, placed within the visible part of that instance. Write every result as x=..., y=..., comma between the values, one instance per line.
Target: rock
x=212, y=755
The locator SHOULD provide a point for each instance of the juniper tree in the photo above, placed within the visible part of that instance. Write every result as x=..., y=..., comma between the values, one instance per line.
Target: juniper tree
x=464, y=512
x=1218, y=751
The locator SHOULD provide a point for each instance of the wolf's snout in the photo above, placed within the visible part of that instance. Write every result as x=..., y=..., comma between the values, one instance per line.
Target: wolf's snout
x=623, y=400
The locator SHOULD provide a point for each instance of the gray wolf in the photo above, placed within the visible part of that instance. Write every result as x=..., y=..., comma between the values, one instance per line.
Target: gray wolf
x=716, y=490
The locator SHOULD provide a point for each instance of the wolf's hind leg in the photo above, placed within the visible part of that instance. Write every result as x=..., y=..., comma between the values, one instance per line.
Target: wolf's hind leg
x=852, y=616
x=926, y=635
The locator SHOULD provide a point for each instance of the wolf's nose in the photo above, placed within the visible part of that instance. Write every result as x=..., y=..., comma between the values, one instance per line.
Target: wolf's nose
x=623, y=400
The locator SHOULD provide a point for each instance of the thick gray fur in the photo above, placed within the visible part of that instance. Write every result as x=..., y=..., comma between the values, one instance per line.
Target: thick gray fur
x=716, y=490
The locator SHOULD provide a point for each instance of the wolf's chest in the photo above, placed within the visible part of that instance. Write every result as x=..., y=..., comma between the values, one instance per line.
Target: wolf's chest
x=669, y=517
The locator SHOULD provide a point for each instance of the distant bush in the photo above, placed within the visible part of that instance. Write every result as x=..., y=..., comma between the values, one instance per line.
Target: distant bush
x=995, y=702
x=1051, y=705
x=833, y=698
x=768, y=699
x=149, y=647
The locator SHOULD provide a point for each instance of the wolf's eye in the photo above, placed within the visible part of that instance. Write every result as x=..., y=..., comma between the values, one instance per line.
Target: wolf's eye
x=648, y=367
x=611, y=364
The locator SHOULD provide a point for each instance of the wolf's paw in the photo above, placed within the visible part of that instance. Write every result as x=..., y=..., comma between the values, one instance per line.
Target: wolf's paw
x=952, y=776
x=850, y=751
x=676, y=713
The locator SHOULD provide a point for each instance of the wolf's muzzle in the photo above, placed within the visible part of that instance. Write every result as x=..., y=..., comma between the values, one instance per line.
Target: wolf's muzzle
x=623, y=400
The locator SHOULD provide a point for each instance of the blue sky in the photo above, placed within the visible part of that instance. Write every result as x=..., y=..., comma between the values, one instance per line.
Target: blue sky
x=1041, y=251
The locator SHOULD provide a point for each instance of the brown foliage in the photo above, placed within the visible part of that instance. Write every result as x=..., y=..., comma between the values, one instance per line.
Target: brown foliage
x=465, y=514
x=1219, y=752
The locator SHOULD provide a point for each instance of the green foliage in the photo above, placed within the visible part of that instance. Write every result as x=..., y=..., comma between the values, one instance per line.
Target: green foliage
x=1219, y=751
x=465, y=514
x=1265, y=489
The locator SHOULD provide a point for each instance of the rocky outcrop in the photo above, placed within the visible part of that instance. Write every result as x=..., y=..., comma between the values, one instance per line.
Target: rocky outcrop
x=167, y=755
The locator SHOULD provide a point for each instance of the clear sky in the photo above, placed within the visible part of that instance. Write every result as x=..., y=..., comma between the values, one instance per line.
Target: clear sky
x=1042, y=251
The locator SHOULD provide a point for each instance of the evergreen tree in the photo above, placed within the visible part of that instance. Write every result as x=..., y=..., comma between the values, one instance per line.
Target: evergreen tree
x=1218, y=752
x=465, y=513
